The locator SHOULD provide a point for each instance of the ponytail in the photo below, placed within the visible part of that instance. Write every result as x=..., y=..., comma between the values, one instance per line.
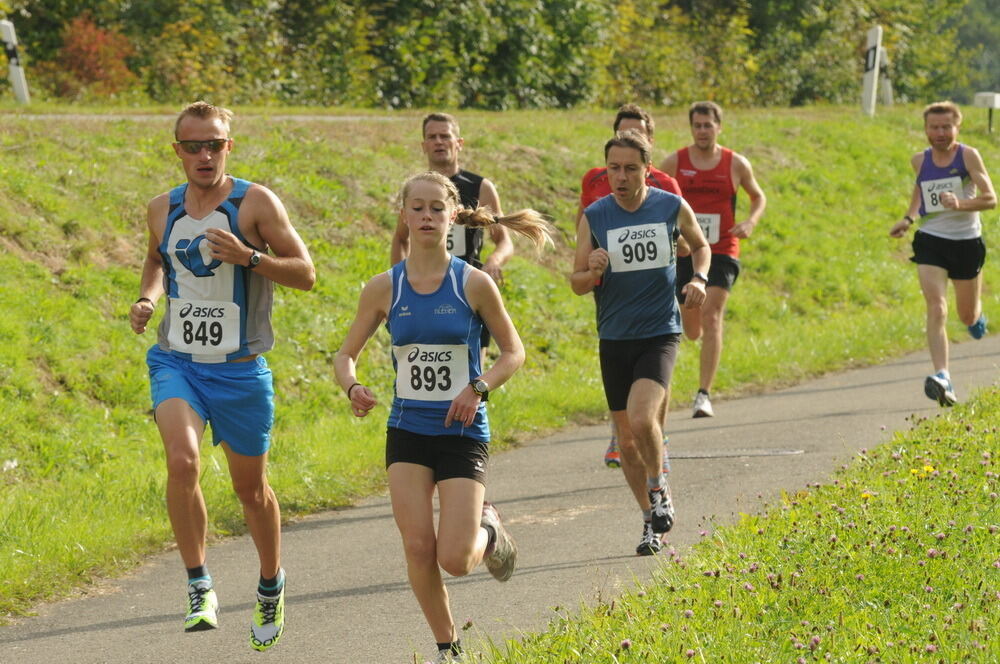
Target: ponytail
x=527, y=223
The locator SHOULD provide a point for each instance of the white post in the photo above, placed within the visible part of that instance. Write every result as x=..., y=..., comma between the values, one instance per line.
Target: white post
x=872, y=60
x=989, y=101
x=17, y=80
x=884, y=83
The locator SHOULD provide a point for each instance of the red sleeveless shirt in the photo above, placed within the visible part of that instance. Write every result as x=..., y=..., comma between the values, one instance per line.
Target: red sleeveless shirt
x=712, y=196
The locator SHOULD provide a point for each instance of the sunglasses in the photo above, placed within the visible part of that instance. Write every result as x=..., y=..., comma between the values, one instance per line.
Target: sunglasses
x=213, y=145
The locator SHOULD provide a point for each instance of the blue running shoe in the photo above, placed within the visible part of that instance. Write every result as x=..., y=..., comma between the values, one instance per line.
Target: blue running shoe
x=978, y=329
x=939, y=388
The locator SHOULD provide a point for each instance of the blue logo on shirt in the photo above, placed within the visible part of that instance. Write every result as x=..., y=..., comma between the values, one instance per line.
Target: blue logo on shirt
x=188, y=252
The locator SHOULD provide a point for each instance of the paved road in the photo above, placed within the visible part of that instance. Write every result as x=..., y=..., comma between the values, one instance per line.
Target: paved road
x=348, y=597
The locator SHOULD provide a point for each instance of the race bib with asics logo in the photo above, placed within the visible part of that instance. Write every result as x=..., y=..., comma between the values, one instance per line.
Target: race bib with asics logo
x=456, y=240
x=204, y=327
x=642, y=247
x=431, y=372
x=710, y=224
x=932, y=190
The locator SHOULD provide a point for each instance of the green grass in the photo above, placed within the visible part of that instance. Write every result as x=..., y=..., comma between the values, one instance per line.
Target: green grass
x=72, y=235
x=896, y=560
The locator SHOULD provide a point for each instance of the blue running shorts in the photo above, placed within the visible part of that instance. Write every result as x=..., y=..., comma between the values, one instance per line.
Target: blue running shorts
x=237, y=398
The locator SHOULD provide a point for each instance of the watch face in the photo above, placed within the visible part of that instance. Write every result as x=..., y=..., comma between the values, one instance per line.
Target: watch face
x=254, y=258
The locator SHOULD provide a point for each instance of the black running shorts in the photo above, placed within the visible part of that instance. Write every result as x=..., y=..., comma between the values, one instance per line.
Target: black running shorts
x=625, y=361
x=962, y=258
x=722, y=273
x=447, y=456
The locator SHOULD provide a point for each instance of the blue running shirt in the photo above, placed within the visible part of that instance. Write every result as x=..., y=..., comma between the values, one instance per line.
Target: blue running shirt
x=435, y=352
x=635, y=299
x=216, y=311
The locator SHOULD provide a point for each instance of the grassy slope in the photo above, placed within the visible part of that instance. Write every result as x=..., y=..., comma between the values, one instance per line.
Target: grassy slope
x=72, y=196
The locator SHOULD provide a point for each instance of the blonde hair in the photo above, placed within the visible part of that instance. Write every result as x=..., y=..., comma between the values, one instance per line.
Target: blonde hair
x=943, y=107
x=202, y=109
x=527, y=222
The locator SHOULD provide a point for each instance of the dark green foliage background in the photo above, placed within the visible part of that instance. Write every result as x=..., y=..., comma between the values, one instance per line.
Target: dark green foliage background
x=503, y=54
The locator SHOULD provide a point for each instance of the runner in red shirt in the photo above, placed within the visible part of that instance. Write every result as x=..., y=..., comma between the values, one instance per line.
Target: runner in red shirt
x=595, y=185
x=710, y=176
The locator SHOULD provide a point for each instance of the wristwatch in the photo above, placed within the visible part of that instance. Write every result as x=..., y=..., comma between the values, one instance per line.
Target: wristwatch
x=254, y=260
x=481, y=387
x=699, y=275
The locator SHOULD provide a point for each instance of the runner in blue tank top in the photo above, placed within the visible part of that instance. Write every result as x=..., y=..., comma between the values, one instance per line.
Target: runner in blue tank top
x=435, y=306
x=216, y=247
x=625, y=256
x=949, y=243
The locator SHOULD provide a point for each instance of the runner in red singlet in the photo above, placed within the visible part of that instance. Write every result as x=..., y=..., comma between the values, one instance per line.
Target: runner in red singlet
x=710, y=175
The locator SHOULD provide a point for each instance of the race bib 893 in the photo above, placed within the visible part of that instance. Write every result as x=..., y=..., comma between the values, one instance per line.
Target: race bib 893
x=431, y=372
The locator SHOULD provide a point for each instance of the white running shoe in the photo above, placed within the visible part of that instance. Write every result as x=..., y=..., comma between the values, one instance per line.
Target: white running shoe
x=501, y=559
x=702, y=406
x=203, y=607
x=650, y=543
x=268, y=620
x=661, y=509
x=939, y=389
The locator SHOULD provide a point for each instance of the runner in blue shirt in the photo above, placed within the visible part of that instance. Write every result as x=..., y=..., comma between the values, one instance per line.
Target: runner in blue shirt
x=625, y=255
x=435, y=306
x=217, y=245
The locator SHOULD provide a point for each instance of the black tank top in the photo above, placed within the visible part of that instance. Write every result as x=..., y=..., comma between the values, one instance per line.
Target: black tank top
x=468, y=185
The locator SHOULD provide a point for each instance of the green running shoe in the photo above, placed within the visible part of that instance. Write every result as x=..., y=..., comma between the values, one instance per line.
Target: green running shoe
x=203, y=607
x=268, y=621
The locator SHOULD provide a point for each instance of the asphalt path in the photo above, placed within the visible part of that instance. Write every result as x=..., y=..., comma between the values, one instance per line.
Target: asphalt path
x=575, y=522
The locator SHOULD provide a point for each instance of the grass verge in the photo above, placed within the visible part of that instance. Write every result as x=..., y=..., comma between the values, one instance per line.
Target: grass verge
x=896, y=560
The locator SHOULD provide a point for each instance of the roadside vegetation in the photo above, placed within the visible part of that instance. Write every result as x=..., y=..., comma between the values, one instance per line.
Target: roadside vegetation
x=81, y=485
x=897, y=559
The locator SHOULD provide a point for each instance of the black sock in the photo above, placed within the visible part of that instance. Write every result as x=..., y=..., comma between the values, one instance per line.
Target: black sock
x=198, y=572
x=271, y=587
x=454, y=646
x=702, y=390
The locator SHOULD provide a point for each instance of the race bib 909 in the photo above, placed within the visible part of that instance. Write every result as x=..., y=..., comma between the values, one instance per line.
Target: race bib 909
x=642, y=247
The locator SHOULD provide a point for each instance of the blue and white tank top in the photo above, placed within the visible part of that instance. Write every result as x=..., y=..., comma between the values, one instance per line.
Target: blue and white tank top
x=216, y=311
x=635, y=299
x=435, y=352
x=933, y=180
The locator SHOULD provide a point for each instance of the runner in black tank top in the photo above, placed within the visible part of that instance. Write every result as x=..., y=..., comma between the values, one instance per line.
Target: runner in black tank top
x=442, y=144
x=468, y=185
